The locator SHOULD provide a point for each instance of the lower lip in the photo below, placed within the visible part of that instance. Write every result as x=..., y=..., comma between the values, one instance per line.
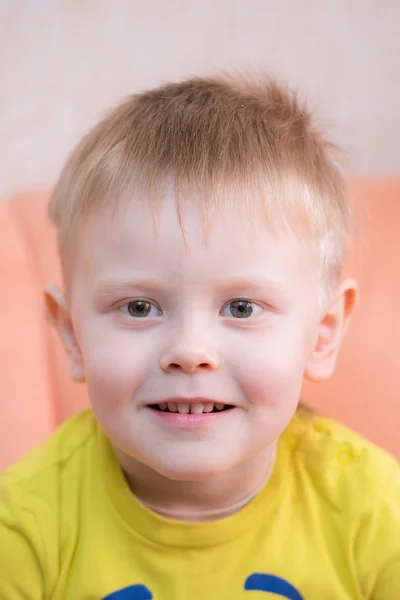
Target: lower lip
x=189, y=421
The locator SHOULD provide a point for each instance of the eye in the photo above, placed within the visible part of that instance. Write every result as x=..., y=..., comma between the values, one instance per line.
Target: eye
x=140, y=309
x=241, y=309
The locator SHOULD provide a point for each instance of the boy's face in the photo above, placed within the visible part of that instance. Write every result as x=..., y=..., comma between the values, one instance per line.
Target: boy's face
x=233, y=321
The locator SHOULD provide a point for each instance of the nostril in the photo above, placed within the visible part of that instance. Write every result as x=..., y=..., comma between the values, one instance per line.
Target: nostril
x=182, y=367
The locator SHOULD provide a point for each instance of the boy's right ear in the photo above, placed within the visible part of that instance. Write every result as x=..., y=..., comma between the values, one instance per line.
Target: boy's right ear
x=58, y=314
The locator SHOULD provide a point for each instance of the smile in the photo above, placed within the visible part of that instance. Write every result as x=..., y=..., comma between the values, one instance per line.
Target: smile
x=193, y=408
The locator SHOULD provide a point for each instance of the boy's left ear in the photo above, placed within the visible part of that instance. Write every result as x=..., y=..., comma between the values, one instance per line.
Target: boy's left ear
x=331, y=330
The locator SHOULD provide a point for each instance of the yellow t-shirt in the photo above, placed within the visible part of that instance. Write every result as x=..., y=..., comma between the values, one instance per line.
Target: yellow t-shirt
x=325, y=526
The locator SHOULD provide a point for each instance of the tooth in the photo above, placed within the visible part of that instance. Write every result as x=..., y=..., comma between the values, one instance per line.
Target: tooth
x=208, y=407
x=184, y=408
x=219, y=406
x=163, y=406
x=172, y=406
x=196, y=409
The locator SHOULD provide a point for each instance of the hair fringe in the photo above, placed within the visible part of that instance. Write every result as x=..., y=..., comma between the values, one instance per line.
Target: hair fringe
x=229, y=141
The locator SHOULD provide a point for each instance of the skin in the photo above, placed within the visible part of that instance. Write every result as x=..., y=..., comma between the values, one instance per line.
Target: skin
x=192, y=344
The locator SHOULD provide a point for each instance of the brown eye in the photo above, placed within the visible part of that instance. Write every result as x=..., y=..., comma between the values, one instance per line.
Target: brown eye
x=139, y=308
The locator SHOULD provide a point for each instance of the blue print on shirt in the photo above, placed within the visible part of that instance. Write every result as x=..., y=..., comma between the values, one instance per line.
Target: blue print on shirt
x=262, y=582
x=133, y=592
x=257, y=582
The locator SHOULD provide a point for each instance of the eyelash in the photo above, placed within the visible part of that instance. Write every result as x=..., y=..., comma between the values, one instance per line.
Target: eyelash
x=241, y=302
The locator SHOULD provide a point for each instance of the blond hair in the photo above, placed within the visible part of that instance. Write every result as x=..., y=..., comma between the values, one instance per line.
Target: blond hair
x=232, y=143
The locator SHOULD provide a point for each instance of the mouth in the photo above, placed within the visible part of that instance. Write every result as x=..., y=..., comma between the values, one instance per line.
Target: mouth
x=192, y=408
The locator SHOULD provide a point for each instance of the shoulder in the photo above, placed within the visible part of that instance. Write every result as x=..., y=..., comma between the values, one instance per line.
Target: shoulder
x=61, y=453
x=349, y=470
x=349, y=488
x=39, y=502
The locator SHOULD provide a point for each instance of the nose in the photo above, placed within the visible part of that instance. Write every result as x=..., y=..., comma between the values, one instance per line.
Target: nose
x=190, y=356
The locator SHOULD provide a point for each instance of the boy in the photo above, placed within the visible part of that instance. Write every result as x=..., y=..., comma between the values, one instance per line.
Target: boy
x=201, y=232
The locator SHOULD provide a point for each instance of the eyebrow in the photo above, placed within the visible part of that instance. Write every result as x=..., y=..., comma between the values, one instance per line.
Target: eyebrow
x=109, y=285
x=254, y=282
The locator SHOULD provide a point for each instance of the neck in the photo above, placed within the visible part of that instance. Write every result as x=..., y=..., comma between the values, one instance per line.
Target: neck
x=204, y=500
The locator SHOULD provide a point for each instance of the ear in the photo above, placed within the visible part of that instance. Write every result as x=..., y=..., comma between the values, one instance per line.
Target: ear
x=331, y=330
x=59, y=315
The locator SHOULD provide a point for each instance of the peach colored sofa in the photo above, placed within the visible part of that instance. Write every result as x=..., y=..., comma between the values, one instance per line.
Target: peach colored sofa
x=36, y=394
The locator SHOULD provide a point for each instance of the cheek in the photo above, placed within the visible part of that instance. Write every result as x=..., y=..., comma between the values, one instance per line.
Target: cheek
x=270, y=369
x=116, y=362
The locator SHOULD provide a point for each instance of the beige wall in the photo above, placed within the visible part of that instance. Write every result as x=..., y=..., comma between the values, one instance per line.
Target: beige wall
x=62, y=62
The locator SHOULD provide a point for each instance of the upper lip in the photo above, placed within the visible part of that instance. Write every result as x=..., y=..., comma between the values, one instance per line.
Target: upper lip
x=187, y=400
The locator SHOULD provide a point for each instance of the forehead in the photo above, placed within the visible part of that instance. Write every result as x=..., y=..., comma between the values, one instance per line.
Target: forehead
x=231, y=243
